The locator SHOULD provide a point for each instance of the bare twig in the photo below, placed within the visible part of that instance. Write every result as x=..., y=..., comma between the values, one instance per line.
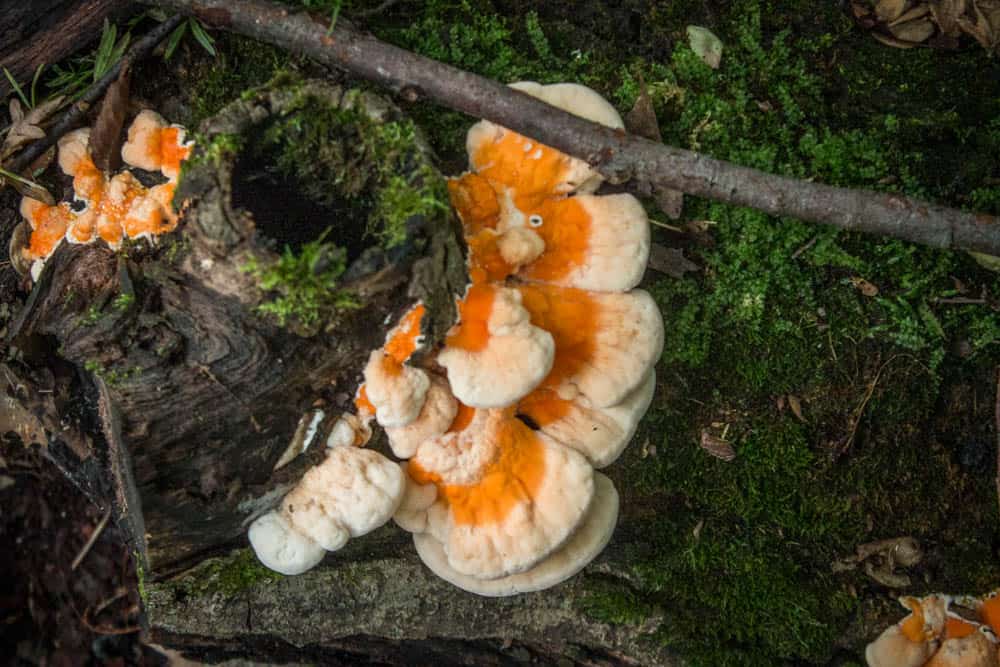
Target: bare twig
x=619, y=156
x=378, y=9
x=75, y=114
x=959, y=301
x=93, y=538
x=996, y=426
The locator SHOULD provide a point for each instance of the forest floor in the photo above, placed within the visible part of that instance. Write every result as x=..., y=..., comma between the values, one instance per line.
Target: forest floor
x=853, y=378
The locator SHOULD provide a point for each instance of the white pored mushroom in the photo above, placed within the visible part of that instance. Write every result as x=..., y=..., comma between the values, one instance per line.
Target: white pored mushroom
x=507, y=497
x=280, y=547
x=605, y=344
x=396, y=390
x=494, y=355
x=586, y=542
x=912, y=641
x=600, y=434
x=351, y=493
x=436, y=415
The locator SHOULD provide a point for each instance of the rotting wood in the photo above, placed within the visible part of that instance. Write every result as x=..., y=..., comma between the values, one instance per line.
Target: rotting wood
x=43, y=32
x=646, y=165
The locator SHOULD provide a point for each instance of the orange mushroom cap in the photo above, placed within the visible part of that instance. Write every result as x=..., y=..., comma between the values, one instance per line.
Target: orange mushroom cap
x=494, y=355
x=605, y=344
x=48, y=226
x=507, y=496
x=155, y=146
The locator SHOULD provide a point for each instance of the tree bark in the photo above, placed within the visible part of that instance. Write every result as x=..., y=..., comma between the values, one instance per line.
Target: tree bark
x=43, y=32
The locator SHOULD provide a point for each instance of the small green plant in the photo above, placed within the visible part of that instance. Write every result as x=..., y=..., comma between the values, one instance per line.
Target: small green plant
x=74, y=77
x=30, y=100
x=197, y=30
x=122, y=302
x=305, y=285
x=92, y=316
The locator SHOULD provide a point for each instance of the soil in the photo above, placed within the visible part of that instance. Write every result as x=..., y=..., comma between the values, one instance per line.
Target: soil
x=52, y=612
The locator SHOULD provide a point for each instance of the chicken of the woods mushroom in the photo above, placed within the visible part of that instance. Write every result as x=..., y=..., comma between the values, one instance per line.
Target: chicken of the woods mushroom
x=941, y=631
x=109, y=207
x=544, y=378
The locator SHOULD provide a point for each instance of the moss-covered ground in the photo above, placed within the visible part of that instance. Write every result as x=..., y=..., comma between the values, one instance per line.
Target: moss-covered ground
x=866, y=338
x=853, y=377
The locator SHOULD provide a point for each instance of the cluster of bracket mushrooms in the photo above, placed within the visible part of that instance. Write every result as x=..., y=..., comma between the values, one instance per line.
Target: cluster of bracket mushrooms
x=935, y=634
x=543, y=379
x=109, y=208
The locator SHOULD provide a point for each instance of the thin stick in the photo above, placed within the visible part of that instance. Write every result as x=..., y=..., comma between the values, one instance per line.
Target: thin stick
x=996, y=426
x=93, y=538
x=617, y=155
x=74, y=115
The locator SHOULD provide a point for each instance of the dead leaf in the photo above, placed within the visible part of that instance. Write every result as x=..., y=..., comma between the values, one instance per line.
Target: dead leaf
x=105, y=138
x=704, y=43
x=26, y=128
x=864, y=286
x=890, y=10
x=911, y=15
x=913, y=31
x=717, y=447
x=796, y=406
x=946, y=13
x=696, y=533
x=670, y=261
x=887, y=578
x=641, y=119
x=889, y=40
x=14, y=417
x=19, y=239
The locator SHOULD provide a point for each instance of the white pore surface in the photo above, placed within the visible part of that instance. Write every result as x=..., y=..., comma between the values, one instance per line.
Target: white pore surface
x=516, y=358
x=534, y=527
x=581, y=548
x=398, y=398
x=628, y=344
x=280, y=547
x=435, y=417
x=352, y=492
x=601, y=434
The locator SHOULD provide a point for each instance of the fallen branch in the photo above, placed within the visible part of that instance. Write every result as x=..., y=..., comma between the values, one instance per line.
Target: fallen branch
x=996, y=427
x=617, y=155
x=73, y=116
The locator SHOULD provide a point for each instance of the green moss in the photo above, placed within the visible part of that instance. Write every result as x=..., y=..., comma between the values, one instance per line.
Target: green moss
x=304, y=286
x=227, y=576
x=738, y=569
x=213, y=152
x=140, y=575
x=241, y=63
x=342, y=155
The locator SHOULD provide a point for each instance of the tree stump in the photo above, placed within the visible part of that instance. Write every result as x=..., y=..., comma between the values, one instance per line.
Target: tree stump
x=192, y=395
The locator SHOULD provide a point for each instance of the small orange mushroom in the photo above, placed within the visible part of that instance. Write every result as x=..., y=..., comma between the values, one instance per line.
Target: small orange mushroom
x=48, y=226
x=154, y=145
